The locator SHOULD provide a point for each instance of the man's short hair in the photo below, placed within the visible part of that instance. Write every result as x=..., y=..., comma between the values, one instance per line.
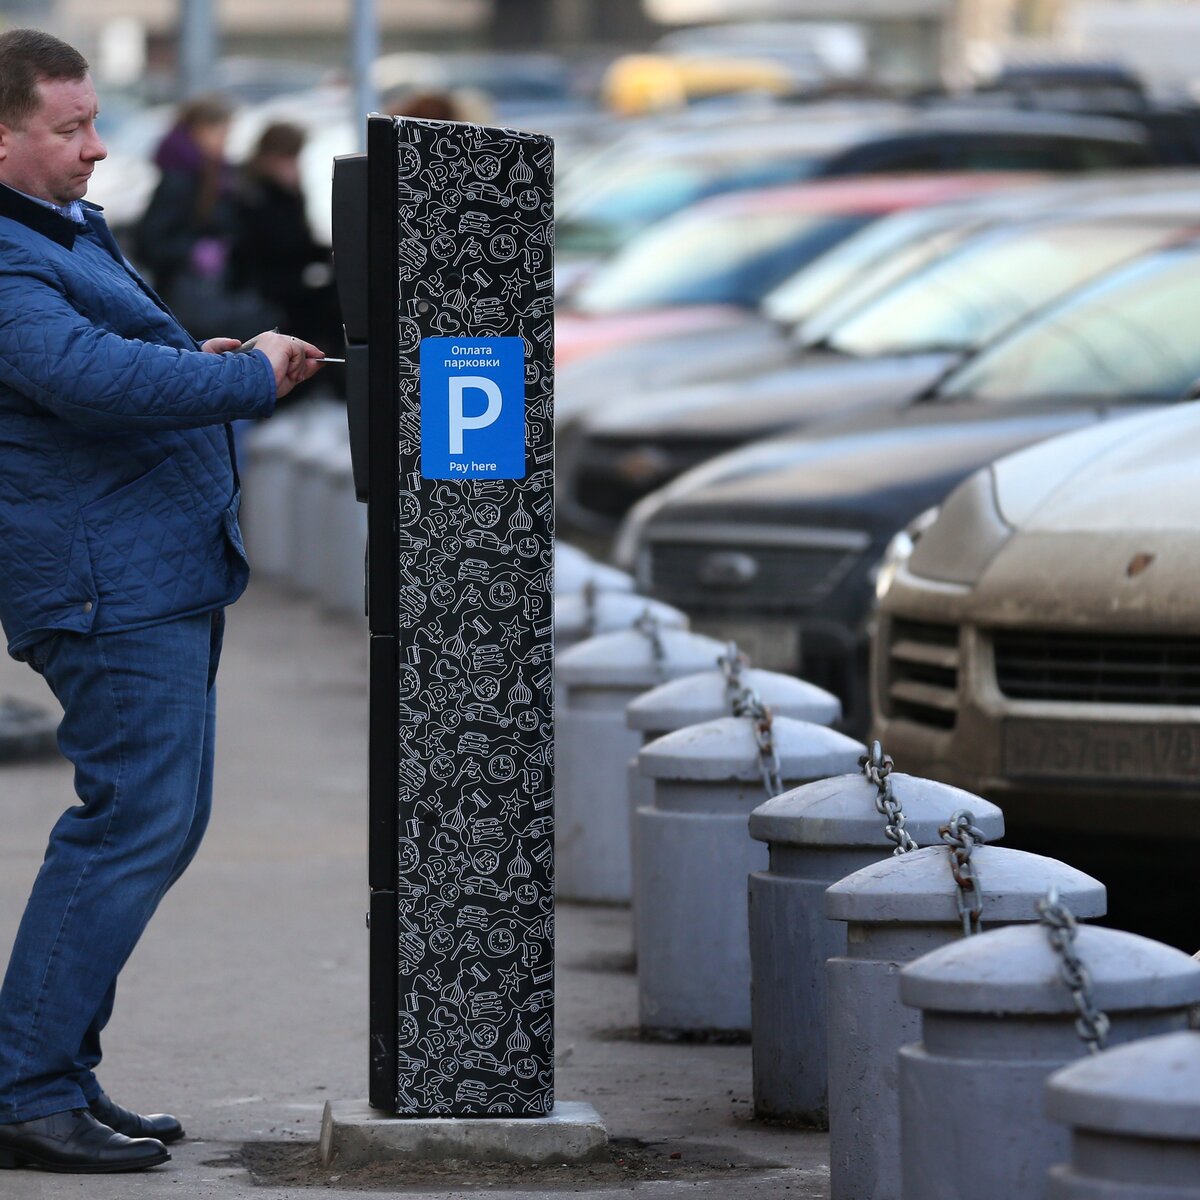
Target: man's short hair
x=28, y=56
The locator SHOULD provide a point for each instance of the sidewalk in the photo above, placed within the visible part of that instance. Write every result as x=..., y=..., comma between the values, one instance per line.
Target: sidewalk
x=244, y=1008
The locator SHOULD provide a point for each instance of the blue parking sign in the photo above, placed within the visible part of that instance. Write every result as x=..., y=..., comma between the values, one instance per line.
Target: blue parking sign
x=473, y=408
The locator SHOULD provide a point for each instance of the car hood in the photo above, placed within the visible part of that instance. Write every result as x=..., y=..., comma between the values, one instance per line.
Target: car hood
x=1105, y=533
x=1138, y=476
x=866, y=477
x=819, y=388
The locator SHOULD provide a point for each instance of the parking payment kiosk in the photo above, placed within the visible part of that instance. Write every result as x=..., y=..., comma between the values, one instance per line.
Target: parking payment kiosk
x=443, y=245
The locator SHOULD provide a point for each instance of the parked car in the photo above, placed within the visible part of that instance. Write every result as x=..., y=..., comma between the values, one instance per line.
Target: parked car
x=1040, y=643
x=779, y=544
x=709, y=266
x=1105, y=89
x=659, y=167
x=636, y=84
x=646, y=177
x=511, y=83
x=838, y=49
x=767, y=336
x=808, y=306
x=882, y=356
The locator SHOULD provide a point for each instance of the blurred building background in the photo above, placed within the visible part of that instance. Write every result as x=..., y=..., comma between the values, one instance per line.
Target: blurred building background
x=909, y=41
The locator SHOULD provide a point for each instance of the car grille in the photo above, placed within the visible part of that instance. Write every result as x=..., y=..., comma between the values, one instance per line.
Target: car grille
x=1098, y=668
x=784, y=579
x=609, y=478
x=923, y=663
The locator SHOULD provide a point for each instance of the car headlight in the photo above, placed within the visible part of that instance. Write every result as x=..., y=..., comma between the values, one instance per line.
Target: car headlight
x=643, y=466
x=968, y=533
x=900, y=550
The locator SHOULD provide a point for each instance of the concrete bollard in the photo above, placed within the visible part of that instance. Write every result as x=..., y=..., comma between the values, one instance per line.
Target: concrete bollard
x=693, y=855
x=591, y=613
x=705, y=697
x=818, y=834
x=597, y=679
x=896, y=911
x=266, y=486
x=567, y=556
x=342, y=585
x=309, y=524
x=573, y=569
x=997, y=1020
x=1134, y=1115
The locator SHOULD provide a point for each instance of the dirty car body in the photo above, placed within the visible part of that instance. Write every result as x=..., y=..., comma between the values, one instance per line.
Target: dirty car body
x=1041, y=644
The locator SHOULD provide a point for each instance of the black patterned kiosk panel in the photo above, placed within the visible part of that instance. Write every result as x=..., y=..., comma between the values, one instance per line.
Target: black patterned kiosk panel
x=469, y=570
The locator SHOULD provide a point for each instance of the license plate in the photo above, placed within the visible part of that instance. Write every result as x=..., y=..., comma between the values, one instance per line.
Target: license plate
x=769, y=645
x=1132, y=753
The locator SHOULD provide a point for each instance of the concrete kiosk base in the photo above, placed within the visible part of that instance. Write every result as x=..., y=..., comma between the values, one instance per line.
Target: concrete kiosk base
x=354, y=1135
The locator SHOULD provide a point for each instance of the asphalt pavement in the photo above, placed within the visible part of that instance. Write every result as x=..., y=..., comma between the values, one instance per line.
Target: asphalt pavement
x=244, y=1008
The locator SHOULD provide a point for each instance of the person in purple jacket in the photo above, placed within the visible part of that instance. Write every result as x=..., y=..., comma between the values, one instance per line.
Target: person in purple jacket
x=119, y=551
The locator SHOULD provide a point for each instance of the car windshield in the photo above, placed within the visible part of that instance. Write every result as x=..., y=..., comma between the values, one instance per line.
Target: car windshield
x=874, y=283
x=602, y=207
x=1129, y=335
x=874, y=257
x=726, y=258
x=977, y=291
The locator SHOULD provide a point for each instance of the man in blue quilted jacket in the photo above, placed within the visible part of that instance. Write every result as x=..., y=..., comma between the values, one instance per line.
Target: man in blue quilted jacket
x=119, y=551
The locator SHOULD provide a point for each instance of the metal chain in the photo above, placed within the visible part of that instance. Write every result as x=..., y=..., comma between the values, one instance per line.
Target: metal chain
x=650, y=627
x=1091, y=1024
x=962, y=836
x=590, y=615
x=763, y=722
x=744, y=701
x=732, y=663
x=877, y=767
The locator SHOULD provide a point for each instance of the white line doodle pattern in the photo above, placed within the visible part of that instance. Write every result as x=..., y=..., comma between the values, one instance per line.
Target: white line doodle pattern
x=476, y=907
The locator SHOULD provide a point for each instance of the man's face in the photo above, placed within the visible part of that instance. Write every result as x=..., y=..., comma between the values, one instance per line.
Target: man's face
x=52, y=154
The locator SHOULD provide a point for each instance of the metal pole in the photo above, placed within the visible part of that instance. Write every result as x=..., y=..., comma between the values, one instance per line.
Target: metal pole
x=197, y=45
x=364, y=50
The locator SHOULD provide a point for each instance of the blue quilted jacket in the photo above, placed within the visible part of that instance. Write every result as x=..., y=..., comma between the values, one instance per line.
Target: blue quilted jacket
x=118, y=491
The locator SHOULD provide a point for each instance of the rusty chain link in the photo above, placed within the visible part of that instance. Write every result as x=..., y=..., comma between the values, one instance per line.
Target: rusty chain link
x=650, y=627
x=1091, y=1024
x=744, y=701
x=877, y=767
x=763, y=722
x=962, y=836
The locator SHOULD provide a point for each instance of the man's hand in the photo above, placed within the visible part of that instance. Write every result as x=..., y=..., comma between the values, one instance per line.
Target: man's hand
x=292, y=360
x=219, y=345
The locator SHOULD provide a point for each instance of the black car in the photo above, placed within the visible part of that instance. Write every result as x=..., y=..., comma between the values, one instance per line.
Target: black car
x=1100, y=89
x=778, y=545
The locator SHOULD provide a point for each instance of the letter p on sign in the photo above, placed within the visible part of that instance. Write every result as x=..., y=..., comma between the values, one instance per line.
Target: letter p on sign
x=459, y=385
x=473, y=408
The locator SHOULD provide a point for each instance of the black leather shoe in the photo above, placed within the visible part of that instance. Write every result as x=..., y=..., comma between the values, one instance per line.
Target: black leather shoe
x=75, y=1143
x=162, y=1126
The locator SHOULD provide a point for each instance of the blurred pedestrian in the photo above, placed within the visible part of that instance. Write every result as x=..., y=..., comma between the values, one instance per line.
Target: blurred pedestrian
x=186, y=234
x=274, y=253
x=119, y=552
x=428, y=106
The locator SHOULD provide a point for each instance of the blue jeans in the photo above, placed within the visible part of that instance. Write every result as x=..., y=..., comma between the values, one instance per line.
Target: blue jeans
x=138, y=726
